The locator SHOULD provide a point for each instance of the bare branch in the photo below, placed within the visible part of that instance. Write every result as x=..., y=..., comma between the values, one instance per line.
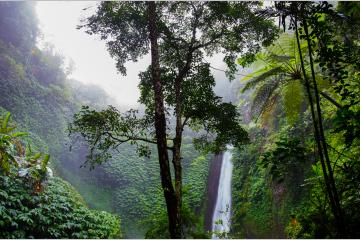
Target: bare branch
x=185, y=122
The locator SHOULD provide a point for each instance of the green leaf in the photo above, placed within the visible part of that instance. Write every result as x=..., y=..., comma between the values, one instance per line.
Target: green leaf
x=19, y=134
x=36, y=156
x=6, y=121
x=45, y=162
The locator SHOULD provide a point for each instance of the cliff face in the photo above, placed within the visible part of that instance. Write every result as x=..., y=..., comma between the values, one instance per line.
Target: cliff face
x=212, y=189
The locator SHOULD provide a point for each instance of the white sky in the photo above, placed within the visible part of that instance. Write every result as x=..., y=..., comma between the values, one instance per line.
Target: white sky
x=93, y=64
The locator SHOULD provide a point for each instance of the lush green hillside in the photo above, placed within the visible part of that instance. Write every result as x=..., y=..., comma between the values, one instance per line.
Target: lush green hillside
x=42, y=99
x=35, y=89
x=136, y=185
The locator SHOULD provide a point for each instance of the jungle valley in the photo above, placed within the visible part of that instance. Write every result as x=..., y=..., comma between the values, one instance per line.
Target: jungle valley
x=180, y=119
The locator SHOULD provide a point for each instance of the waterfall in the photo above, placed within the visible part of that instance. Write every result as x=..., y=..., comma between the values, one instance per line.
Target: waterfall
x=223, y=202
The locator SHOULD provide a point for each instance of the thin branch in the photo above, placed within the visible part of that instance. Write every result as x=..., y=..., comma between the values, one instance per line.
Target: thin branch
x=326, y=96
x=222, y=70
x=144, y=140
x=185, y=122
x=214, y=40
x=340, y=153
x=133, y=138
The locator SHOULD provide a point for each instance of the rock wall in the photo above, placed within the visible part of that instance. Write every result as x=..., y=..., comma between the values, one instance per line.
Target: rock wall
x=212, y=189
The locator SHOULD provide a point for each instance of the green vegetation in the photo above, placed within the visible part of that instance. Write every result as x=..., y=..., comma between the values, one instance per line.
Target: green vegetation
x=37, y=205
x=178, y=83
x=135, y=191
x=295, y=130
x=268, y=184
x=42, y=99
x=56, y=212
x=293, y=179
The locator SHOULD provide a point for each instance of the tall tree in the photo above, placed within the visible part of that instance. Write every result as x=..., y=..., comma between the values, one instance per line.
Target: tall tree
x=186, y=32
x=160, y=126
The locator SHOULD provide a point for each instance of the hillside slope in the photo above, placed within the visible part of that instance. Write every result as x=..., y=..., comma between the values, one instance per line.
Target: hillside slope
x=37, y=90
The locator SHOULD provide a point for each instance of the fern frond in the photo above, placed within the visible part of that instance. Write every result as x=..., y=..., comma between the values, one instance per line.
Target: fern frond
x=13, y=160
x=36, y=157
x=20, y=134
x=293, y=97
x=268, y=109
x=256, y=73
x=19, y=148
x=263, y=77
x=262, y=96
x=280, y=58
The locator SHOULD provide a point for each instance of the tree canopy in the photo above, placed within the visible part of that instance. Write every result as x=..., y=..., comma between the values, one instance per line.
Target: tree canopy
x=186, y=33
x=185, y=40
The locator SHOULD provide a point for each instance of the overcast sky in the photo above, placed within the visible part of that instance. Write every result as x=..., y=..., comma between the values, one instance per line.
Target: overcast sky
x=58, y=21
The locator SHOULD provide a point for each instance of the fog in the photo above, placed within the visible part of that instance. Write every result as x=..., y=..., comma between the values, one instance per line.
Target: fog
x=93, y=64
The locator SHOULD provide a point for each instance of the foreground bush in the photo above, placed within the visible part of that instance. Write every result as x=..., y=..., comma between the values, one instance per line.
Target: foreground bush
x=33, y=204
x=56, y=212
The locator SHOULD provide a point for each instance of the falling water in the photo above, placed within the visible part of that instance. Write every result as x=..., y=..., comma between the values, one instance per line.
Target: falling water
x=222, y=210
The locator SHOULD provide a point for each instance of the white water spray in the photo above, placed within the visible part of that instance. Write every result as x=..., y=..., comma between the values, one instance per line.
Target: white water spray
x=222, y=212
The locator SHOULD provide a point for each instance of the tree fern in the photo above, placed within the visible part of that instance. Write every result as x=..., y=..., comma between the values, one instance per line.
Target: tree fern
x=292, y=98
x=261, y=101
x=260, y=78
x=277, y=75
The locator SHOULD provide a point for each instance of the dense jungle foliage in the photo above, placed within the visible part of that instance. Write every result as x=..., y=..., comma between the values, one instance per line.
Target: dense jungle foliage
x=294, y=124
x=279, y=189
x=37, y=90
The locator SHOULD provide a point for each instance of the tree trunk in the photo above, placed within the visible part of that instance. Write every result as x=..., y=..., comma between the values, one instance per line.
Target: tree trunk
x=178, y=171
x=316, y=130
x=330, y=99
x=340, y=219
x=178, y=132
x=160, y=128
x=177, y=146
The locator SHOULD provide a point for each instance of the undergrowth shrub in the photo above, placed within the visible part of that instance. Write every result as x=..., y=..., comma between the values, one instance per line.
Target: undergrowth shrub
x=33, y=204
